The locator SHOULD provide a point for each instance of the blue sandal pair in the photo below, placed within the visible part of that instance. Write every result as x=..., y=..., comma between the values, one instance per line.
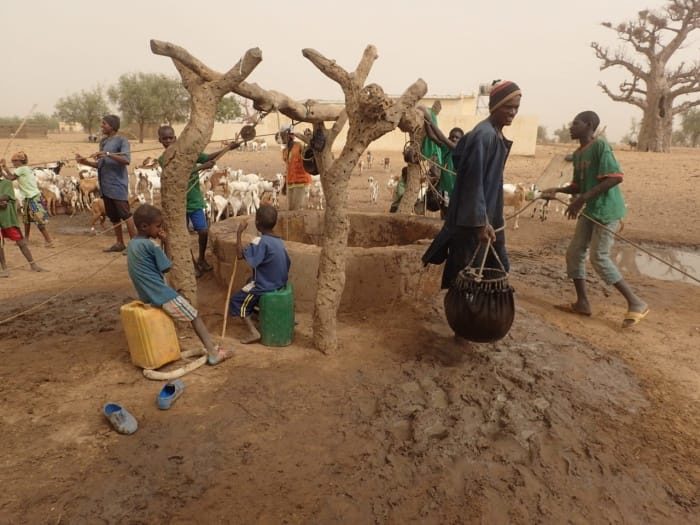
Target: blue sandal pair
x=125, y=423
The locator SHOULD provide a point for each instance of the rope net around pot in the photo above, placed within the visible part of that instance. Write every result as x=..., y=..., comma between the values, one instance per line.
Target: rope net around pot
x=479, y=304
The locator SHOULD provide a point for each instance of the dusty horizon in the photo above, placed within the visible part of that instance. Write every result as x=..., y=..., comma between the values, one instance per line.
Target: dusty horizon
x=454, y=47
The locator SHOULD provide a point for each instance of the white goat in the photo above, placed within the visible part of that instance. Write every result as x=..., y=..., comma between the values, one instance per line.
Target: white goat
x=148, y=180
x=514, y=195
x=373, y=190
x=86, y=172
x=217, y=205
x=315, y=197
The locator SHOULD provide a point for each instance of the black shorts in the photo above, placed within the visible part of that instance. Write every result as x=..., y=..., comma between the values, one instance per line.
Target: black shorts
x=116, y=210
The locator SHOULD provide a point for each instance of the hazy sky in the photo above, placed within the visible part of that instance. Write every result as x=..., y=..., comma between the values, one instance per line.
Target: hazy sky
x=54, y=48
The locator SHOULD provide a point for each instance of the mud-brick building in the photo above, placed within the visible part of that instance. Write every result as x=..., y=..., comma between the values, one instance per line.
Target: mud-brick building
x=28, y=131
x=463, y=111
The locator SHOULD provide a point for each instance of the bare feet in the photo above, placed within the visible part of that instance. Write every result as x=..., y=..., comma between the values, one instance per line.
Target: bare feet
x=220, y=355
x=204, y=266
x=253, y=337
x=574, y=308
x=35, y=267
x=116, y=247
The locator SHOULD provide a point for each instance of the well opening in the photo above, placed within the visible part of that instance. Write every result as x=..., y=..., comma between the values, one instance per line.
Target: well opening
x=382, y=260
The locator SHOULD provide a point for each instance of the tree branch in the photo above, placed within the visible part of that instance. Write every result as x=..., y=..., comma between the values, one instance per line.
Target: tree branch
x=364, y=67
x=329, y=67
x=685, y=106
x=180, y=54
x=337, y=126
x=270, y=100
x=244, y=67
x=408, y=99
x=623, y=98
x=618, y=60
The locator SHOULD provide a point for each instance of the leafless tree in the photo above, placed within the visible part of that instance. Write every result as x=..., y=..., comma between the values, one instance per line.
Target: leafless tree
x=654, y=88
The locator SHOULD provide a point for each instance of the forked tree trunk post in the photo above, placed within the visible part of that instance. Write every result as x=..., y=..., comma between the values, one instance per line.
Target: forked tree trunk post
x=206, y=88
x=370, y=115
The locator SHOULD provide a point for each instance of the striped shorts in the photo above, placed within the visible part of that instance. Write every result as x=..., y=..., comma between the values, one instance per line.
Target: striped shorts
x=180, y=309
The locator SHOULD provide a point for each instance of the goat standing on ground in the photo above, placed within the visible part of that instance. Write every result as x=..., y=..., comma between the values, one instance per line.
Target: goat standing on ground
x=373, y=190
x=514, y=195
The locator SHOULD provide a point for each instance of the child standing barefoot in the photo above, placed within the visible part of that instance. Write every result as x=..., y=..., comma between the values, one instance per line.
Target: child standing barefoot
x=596, y=185
x=34, y=211
x=9, y=228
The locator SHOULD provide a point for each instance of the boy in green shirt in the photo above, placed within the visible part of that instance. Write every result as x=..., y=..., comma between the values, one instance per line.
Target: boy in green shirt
x=34, y=211
x=596, y=180
x=9, y=228
x=195, y=199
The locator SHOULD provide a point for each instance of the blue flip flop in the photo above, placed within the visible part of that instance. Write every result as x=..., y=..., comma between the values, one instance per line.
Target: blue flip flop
x=169, y=393
x=120, y=418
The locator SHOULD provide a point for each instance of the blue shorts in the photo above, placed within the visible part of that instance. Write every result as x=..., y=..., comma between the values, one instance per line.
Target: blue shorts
x=242, y=303
x=198, y=220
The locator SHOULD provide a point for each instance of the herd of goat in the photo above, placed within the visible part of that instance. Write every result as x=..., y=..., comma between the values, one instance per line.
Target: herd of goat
x=228, y=192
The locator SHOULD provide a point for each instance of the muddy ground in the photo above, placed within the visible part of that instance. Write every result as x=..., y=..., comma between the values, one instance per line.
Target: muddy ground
x=566, y=420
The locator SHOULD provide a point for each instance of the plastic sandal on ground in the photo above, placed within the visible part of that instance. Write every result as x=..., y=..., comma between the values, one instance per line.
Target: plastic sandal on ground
x=169, y=393
x=120, y=418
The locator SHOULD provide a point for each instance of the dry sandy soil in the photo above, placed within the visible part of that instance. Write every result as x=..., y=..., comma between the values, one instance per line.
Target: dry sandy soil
x=566, y=420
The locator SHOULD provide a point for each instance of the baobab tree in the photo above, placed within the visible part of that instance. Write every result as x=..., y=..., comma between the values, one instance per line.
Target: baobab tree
x=654, y=86
x=369, y=112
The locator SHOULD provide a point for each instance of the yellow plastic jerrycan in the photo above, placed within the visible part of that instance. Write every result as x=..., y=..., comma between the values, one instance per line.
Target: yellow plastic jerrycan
x=150, y=334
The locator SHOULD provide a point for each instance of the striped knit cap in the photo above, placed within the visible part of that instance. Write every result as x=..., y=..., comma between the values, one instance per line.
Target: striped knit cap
x=501, y=92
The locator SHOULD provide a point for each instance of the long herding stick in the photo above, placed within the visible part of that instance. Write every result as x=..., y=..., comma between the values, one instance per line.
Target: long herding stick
x=228, y=296
x=12, y=137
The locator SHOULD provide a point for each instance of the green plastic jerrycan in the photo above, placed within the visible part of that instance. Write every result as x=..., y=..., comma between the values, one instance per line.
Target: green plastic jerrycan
x=277, y=317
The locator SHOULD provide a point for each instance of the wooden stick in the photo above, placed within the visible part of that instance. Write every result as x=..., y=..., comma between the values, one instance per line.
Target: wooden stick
x=228, y=295
x=7, y=147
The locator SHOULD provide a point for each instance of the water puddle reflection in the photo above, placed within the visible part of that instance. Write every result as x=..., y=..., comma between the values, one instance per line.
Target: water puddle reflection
x=631, y=260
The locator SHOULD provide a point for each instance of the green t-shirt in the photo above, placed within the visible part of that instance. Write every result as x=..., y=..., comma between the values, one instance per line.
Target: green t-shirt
x=431, y=149
x=447, y=176
x=195, y=199
x=8, y=214
x=27, y=182
x=592, y=164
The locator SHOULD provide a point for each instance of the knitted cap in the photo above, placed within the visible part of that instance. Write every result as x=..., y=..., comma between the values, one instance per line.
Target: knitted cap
x=501, y=92
x=20, y=156
x=113, y=121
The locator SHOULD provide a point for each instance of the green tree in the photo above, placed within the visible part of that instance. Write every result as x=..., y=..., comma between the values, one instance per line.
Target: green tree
x=42, y=119
x=631, y=136
x=679, y=138
x=691, y=128
x=37, y=119
x=86, y=108
x=563, y=135
x=542, y=137
x=149, y=98
x=228, y=109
